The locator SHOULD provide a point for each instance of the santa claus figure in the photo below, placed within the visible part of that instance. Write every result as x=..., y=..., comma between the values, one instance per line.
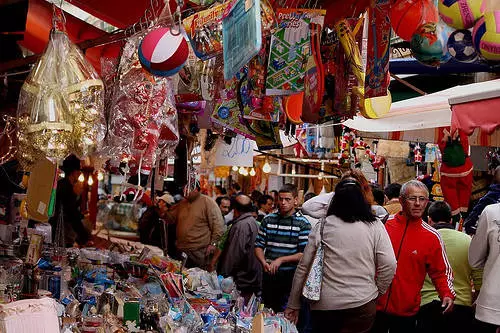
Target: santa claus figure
x=456, y=172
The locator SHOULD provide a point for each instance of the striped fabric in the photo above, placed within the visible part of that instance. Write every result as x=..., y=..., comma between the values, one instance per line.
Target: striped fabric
x=283, y=236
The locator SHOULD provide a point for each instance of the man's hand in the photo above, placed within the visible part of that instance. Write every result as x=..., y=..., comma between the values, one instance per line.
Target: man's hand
x=447, y=305
x=275, y=265
x=292, y=315
x=210, y=250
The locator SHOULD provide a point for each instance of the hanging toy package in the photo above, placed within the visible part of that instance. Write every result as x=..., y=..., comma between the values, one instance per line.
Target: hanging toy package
x=290, y=49
x=61, y=104
x=242, y=34
x=204, y=30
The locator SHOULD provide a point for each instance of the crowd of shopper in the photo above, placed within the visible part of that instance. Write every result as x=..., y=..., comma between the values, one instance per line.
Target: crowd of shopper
x=393, y=261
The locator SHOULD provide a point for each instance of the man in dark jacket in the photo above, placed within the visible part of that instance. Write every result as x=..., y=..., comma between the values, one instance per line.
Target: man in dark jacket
x=238, y=259
x=67, y=202
x=156, y=227
x=492, y=197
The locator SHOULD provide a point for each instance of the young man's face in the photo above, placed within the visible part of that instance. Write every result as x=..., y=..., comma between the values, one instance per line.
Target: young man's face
x=287, y=202
x=414, y=202
x=268, y=206
x=224, y=206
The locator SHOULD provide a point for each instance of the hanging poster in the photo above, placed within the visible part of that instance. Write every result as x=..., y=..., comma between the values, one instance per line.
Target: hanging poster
x=290, y=50
x=379, y=38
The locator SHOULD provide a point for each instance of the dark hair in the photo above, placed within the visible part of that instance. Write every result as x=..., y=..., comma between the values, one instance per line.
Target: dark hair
x=70, y=164
x=359, y=177
x=221, y=189
x=392, y=190
x=440, y=211
x=248, y=208
x=378, y=195
x=349, y=203
x=218, y=200
x=309, y=196
x=255, y=196
x=236, y=187
x=289, y=188
x=274, y=192
x=263, y=200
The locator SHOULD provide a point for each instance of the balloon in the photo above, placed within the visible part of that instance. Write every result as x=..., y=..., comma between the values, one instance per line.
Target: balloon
x=460, y=14
x=429, y=44
x=162, y=52
x=407, y=15
x=461, y=47
x=293, y=107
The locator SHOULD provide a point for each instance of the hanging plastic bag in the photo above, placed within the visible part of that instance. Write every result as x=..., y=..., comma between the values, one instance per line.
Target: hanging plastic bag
x=61, y=105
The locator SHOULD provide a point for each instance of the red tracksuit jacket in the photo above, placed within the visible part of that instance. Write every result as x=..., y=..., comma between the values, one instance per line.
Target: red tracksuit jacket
x=419, y=250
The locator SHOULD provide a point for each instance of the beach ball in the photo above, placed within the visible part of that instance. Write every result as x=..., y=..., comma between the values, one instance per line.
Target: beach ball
x=486, y=36
x=407, y=16
x=460, y=14
x=461, y=47
x=429, y=44
x=163, y=52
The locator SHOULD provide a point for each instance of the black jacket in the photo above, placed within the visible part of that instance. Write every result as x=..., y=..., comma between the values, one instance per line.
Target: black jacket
x=238, y=258
x=74, y=230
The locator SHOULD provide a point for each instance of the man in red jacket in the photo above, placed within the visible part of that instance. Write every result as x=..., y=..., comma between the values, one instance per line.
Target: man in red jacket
x=419, y=251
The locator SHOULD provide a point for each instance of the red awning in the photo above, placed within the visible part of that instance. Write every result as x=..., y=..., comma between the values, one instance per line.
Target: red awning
x=477, y=107
x=39, y=23
x=483, y=114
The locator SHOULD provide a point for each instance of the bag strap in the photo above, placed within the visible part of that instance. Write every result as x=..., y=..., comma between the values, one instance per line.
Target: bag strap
x=323, y=222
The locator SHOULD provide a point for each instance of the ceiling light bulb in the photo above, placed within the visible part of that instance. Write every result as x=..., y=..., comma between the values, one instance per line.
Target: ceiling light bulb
x=90, y=181
x=252, y=172
x=241, y=170
x=235, y=168
x=81, y=178
x=100, y=176
x=245, y=172
x=266, y=168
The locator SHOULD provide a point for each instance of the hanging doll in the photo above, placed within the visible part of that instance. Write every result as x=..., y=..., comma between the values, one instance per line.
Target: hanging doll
x=456, y=172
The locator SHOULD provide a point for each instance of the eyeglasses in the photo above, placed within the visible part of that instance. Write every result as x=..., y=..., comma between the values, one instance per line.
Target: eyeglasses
x=415, y=199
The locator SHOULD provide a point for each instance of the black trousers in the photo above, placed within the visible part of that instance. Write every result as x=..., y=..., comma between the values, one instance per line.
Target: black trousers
x=431, y=319
x=385, y=322
x=482, y=327
x=276, y=289
x=355, y=320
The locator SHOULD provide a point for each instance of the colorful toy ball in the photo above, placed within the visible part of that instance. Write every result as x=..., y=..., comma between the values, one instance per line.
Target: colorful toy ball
x=461, y=47
x=163, y=52
x=428, y=44
x=406, y=16
x=460, y=14
x=486, y=36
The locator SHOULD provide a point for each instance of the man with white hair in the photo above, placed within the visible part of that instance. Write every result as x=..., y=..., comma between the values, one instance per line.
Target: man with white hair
x=419, y=251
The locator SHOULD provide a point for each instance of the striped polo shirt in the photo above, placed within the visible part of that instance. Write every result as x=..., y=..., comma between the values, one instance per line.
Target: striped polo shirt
x=283, y=236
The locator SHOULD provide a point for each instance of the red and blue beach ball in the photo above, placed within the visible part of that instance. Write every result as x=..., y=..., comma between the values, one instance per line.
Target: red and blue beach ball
x=162, y=52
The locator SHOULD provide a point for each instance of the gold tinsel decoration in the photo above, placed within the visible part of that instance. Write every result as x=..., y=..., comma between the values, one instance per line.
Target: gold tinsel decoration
x=60, y=105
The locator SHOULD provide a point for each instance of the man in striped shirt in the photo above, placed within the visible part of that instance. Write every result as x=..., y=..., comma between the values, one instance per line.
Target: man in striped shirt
x=279, y=247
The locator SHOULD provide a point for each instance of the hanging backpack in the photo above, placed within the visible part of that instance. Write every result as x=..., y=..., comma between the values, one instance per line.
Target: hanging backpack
x=454, y=154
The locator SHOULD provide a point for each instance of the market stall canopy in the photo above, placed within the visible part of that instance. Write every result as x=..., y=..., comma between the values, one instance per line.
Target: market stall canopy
x=435, y=110
x=421, y=118
x=417, y=113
